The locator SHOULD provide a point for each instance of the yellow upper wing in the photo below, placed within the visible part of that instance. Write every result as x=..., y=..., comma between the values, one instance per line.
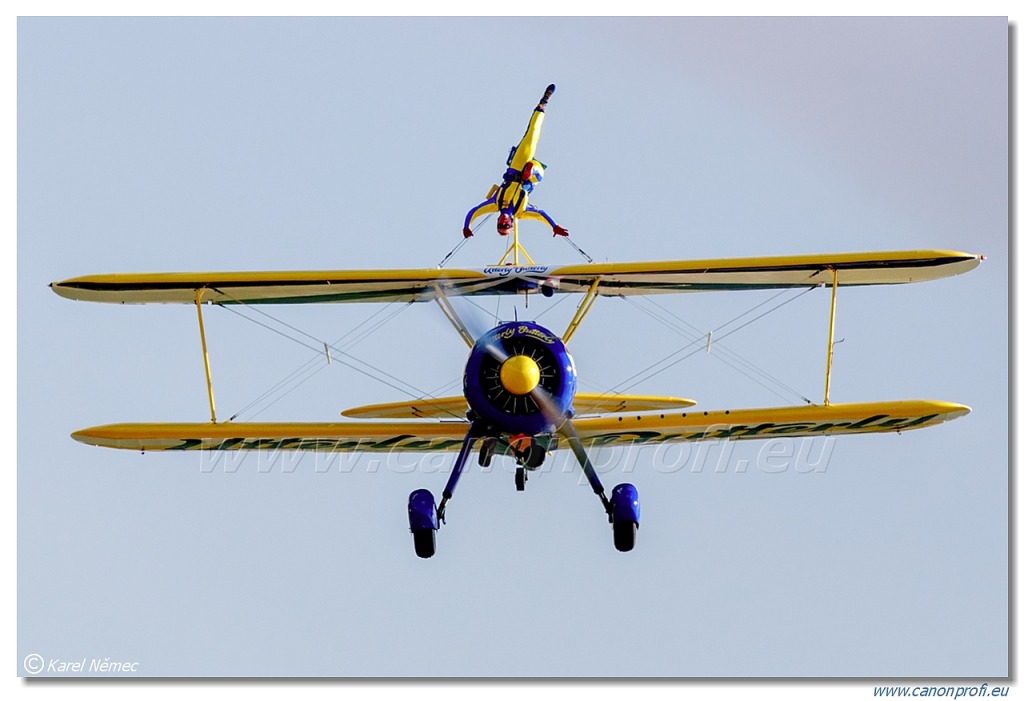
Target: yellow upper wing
x=434, y=436
x=614, y=279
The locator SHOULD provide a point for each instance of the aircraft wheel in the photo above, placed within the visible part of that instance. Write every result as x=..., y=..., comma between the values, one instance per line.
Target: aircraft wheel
x=423, y=522
x=625, y=535
x=534, y=457
x=520, y=479
x=487, y=451
x=425, y=542
x=625, y=513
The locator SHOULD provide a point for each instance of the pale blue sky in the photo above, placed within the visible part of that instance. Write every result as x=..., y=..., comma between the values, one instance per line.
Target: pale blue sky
x=180, y=144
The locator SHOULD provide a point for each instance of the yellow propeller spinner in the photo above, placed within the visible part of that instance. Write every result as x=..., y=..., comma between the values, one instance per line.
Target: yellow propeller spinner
x=520, y=374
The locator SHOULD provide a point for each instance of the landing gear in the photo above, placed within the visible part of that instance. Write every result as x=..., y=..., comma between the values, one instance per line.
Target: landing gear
x=520, y=479
x=624, y=507
x=487, y=451
x=528, y=452
x=624, y=535
x=425, y=542
x=425, y=518
x=533, y=456
x=423, y=522
x=625, y=516
x=529, y=455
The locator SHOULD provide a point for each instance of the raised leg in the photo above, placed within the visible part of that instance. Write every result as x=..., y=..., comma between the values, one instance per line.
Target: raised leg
x=527, y=147
x=548, y=92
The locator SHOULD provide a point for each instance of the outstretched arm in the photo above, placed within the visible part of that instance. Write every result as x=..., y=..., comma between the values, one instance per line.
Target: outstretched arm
x=532, y=212
x=488, y=205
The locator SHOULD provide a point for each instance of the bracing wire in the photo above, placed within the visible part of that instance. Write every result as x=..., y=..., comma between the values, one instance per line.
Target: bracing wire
x=722, y=350
x=563, y=298
x=408, y=388
x=313, y=361
x=319, y=351
x=724, y=354
x=649, y=372
x=462, y=243
x=452, y=252
x=304, y=380
x=578, y=249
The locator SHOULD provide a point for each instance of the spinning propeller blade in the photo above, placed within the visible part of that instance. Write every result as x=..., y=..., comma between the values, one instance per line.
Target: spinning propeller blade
x=494, y=349
x=540, y=396
x=548, y=408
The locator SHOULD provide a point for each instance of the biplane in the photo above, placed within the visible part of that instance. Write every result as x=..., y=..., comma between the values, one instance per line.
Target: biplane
x=520, y=396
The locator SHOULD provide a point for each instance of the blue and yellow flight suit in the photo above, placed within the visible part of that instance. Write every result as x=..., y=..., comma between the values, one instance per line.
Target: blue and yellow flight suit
x=511, y=198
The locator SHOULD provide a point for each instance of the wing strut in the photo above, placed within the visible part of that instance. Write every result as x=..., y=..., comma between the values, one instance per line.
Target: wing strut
x=449, y=312
x=831, y=334
x=206, y=356
x=581, y=311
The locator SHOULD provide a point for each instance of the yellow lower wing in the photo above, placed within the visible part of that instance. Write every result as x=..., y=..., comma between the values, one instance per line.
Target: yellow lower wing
x=781, y=422
x=422, y=436
x=435, y=436
x=456, y=407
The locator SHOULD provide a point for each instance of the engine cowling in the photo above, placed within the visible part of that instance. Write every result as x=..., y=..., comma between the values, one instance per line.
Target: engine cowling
x=506, y=365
